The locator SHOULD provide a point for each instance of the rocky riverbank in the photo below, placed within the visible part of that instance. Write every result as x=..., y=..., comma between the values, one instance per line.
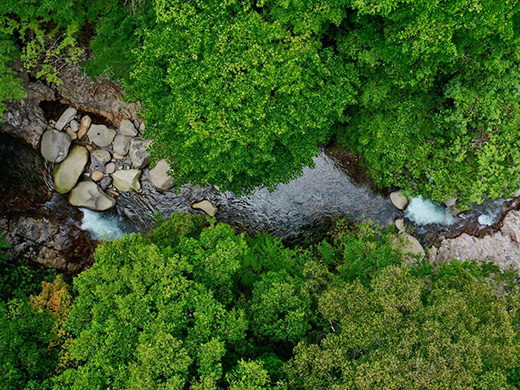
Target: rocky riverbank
x=97, y=158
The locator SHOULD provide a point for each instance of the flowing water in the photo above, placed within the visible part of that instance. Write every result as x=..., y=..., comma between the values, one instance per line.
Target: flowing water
x=299, y=211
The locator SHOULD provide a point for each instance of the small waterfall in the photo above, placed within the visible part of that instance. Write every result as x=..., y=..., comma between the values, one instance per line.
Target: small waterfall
x=101, y=226
x=424, y=212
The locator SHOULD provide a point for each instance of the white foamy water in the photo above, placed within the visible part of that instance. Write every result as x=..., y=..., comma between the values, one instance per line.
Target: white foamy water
x=423, y=212
x=101, y=226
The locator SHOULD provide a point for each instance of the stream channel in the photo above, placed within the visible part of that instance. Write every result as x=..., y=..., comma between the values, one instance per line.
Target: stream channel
x=299, y=212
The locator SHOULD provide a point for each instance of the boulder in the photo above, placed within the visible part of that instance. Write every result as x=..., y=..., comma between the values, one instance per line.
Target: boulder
x=67, y=173
x=127, y=180
x=74, y=126
x=88, y=194
x=110, y=168
x=206, y=206
x=55, y=146
x=84, y=126
x=450, y=202
x=101, y=135
x=138, y=153
x=408, y=244
x=121, y=145
x=399, y=200
x=399, y=224
x=101, y=156
x=65, y=118
x=127, y=128
x=159, y=176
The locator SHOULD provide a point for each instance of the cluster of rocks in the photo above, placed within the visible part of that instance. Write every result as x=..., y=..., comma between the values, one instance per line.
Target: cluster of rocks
x=405, y=241
x=94, y=163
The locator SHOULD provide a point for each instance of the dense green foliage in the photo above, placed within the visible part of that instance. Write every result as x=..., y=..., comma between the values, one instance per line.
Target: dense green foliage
x=241, y=93
x=193, y=307
x=28, y=330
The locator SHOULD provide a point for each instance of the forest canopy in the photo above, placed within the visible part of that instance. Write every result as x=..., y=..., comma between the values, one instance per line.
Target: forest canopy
x=243, y=93
x=194, y=305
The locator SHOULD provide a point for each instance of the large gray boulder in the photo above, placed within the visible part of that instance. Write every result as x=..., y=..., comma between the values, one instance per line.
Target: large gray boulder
x=159, y=176
x=88, y=194
x=121, y=144
x=55, y=146
x=138, y=153
x=67, y=173
x=101, y=135
x=127, y=128
x=65, y=118
x=127, y=180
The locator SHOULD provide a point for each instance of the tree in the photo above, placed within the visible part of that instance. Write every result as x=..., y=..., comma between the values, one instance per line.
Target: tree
x=235, y=98
x=396, y=333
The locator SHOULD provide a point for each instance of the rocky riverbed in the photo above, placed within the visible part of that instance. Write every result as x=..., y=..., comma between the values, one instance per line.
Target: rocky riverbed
x=95, y=157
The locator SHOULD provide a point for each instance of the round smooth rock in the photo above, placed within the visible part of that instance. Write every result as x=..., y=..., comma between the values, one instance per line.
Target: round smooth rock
x=101, y=135
x=399, y=200
x=110, y=168
x=88, y=194
x=127, y=180
x=159, y=176
x=84, y=126
x=65, y=118
x=206, y=206
x=55, y=146
x=127, y=128
x=121, y=145
x=101, y=156
x=97, y=176
x=74, y=126
x=399, y=224
x=67, y=173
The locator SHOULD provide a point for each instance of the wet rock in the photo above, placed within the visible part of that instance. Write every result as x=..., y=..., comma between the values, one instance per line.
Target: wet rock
x=110, y=168
x=127, y=180
x=101, y=135
x=159, y=176
x=138, y=153
x=65, y=118
x=90, y=195
x=501, y=248
x=101, y=156
x=206, y=206
x=67, y=173
x=74, y=126
x=399, y=200
x=55, y=145
x=84, y=126
x=97, y=176
x=121, y=145
x=127, y=128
